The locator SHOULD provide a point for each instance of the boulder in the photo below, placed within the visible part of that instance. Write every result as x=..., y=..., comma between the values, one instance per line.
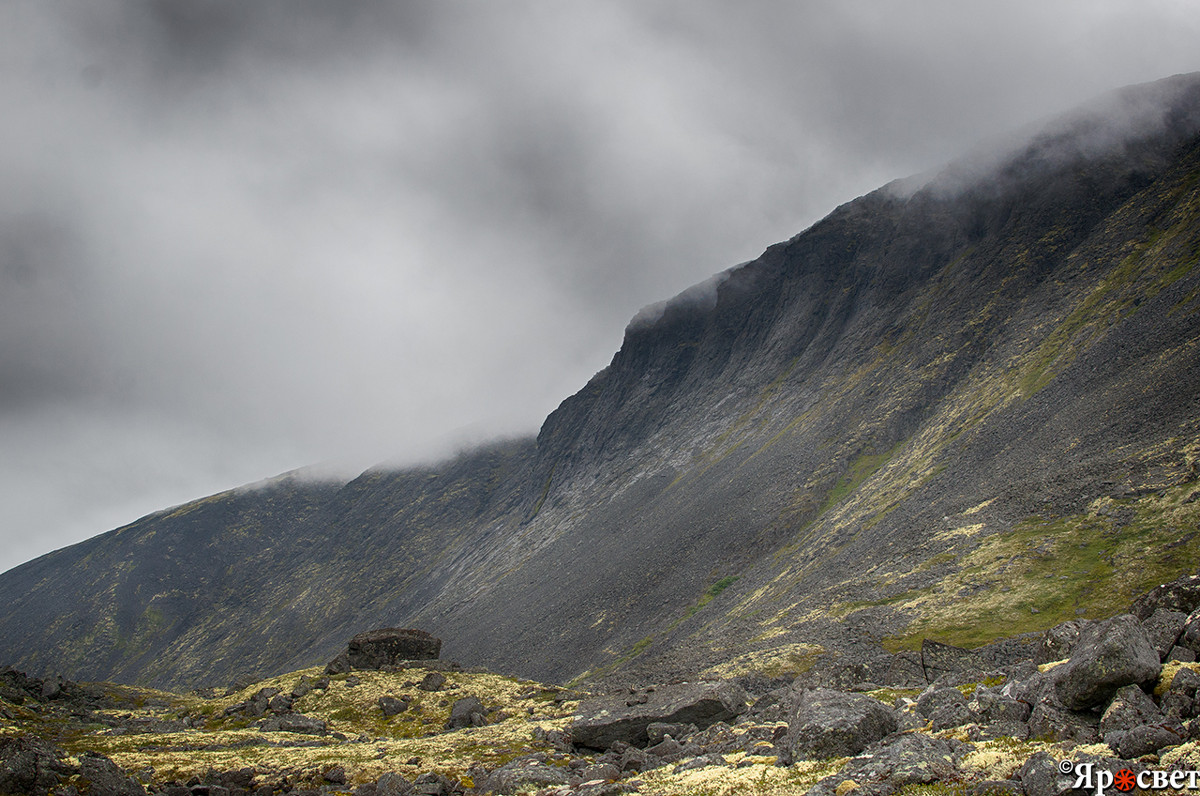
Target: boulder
x=1129, y=707
x=467, y=712
x=605, y=720
x=1164, y=627
x=1041, y=776
x=948, y=716
x=294, y=722
x=523, y=774
x=431, y=783
x=905, y=671
x=391, y=706
x=1058, y=641
x=771, y=706
x=667, y=750
x=1144, y=740
x=1181, y=654
x=827, y=723
x=1109, y=654
x=1189, y=637
x=845, y=671
x=377, y=649
x=392, y=784
x=936, y=697
x=657, y=731
x=31, y=765
x=940, y=660
x=102, y=777
x=993, y=707
x=339, y=665
x=911, y=759
x=434, y=681
x=1181, y=594
x=1050, y=721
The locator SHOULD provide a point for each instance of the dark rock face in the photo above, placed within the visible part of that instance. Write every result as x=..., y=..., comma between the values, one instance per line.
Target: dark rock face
x=829, y=723
x=1109, y=655
x=377, y=649
x=608, y=720
x=868, y=325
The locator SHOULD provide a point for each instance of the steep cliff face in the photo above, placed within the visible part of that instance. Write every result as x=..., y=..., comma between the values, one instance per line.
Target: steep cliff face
x=959, y=407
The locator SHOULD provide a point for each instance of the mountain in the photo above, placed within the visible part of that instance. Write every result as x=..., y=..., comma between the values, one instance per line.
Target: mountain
x=959, y=407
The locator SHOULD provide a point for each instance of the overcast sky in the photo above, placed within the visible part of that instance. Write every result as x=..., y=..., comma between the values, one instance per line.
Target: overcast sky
x=237, y=238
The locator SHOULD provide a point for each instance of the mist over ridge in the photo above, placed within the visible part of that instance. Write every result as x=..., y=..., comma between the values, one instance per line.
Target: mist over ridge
x=873, y=433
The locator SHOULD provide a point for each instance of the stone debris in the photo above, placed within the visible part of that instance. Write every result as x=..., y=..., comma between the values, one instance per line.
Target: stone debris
x=1114, y=685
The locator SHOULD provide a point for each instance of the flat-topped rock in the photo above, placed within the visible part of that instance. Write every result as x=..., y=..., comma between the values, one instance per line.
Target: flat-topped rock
x=391, y=646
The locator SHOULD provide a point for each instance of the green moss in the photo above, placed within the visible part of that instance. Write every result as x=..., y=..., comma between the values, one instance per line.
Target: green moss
x=862, y=468
x=545, y=491
x=1048, y=570
x=640, y=647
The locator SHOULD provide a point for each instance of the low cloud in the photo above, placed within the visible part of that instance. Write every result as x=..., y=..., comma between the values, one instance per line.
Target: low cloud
x=240, y=238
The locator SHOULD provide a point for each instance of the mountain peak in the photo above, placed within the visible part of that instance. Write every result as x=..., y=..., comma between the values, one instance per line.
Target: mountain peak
x=954, y=410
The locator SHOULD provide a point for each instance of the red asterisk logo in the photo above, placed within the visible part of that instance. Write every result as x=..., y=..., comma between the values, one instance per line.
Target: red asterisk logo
x=1124, y=780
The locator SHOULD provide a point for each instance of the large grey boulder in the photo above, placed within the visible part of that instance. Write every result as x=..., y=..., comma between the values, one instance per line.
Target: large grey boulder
x=827, y=723
x=902, y=760
x=524, y=774
x=1129, y=708
x=1048, y=720
x=467, y=712
x=389, y=646
x=603, y=721
x=1109, y=654
x=1041, y=776
x=1058, y=642
x=102, y=777
x=944, y=660
x=31, y=765
x=1181, y=594
x=1144, y=740
x=1164, y=627
x=294, y=722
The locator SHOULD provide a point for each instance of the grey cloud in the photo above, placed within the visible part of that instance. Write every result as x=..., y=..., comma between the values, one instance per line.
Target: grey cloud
x=238, y=238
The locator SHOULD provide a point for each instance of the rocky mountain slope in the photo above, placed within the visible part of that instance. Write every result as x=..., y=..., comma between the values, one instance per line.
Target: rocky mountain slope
x=1091, y=705
x=956, y=408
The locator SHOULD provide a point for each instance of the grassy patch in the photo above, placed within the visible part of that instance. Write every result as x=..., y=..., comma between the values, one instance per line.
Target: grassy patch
x=361, y=738
x=862, y=468
x=787, y=659
x=1046, y=571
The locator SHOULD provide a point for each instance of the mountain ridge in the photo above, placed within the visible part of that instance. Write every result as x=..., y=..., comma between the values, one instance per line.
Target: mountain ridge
x=833, y=444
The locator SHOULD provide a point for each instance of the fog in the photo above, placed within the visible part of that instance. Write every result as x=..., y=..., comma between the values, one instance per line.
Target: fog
x=242, y=238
